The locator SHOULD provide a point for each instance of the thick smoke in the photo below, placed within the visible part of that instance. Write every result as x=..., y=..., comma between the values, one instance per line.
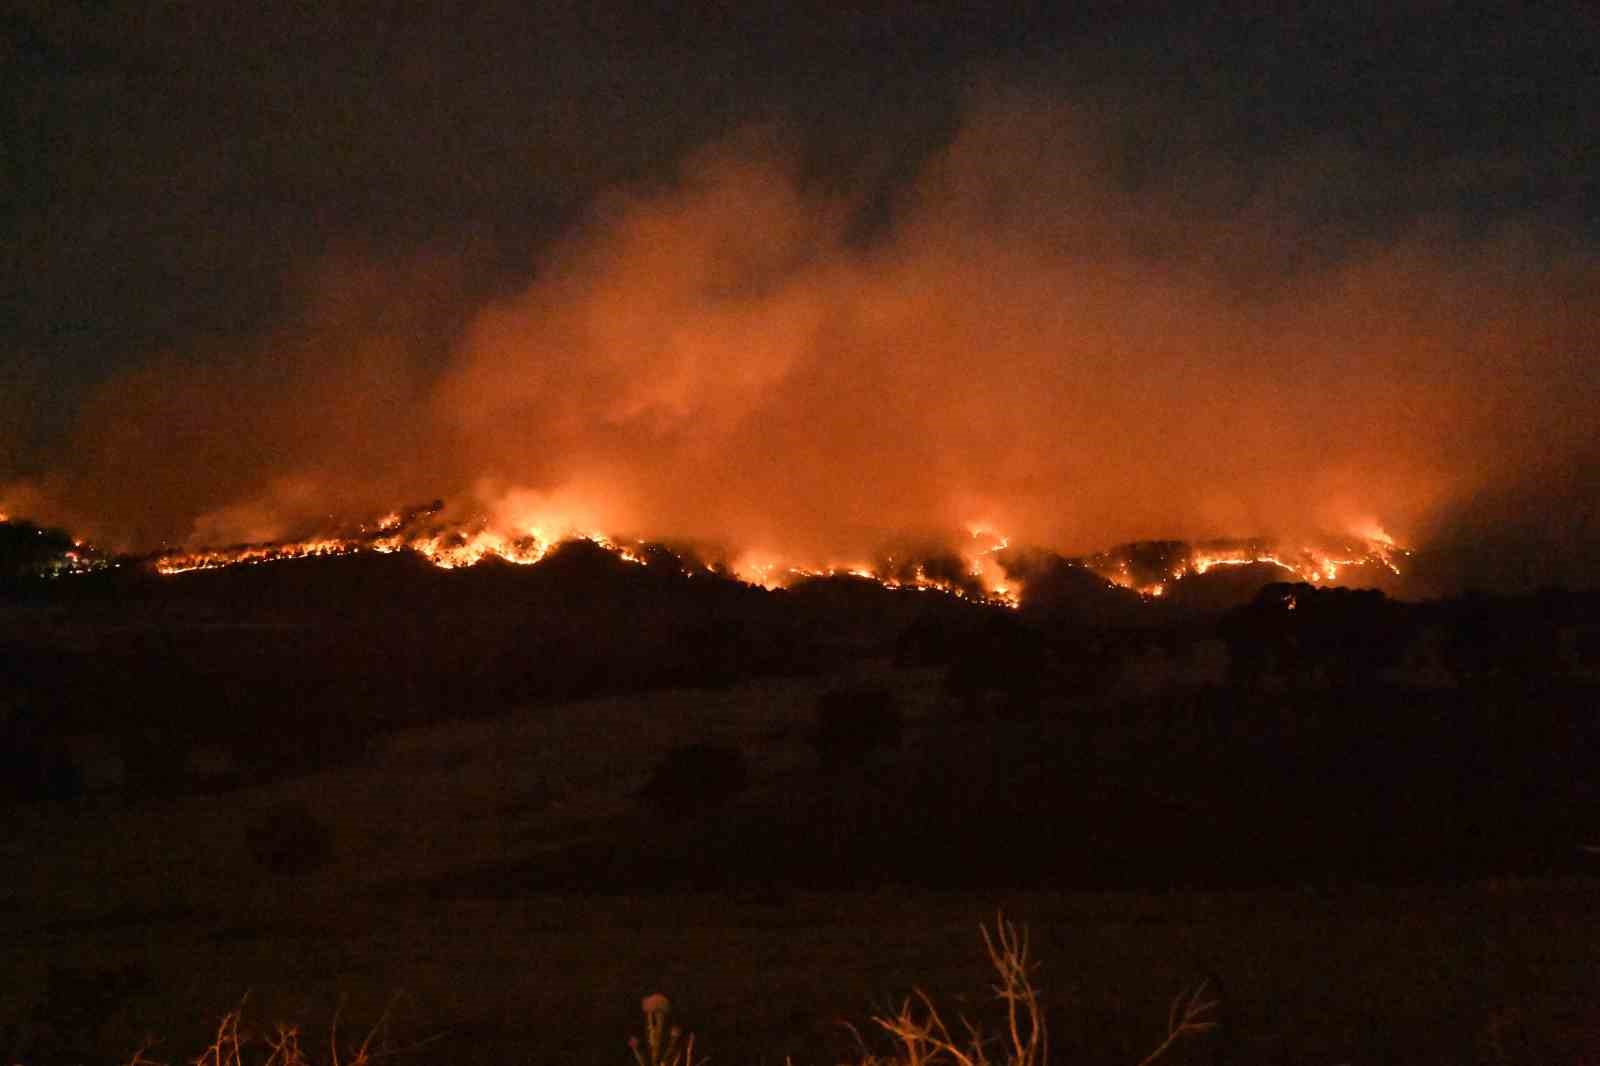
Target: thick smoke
x=1040, y=339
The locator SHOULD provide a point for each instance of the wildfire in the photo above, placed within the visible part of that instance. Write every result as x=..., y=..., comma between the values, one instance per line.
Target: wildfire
x=974, y=575
x=1150, y=569
x=977, y=575
x=449, y=550
x=250, y=554
x=975, y=569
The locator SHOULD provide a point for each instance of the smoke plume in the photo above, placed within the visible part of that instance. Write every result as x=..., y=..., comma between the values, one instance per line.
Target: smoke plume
x=1035, y=335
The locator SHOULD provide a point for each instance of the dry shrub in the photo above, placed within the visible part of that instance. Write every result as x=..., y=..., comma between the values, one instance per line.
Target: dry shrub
x=695, y=779
x=922, y=1037
x=853, y=723
x=235, y=1045
x=290, y=840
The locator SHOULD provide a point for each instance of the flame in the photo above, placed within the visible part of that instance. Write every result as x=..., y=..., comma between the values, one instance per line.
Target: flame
x=1370, y=546
x=448, y=550
x=250, y=554
x=974, y=572
x=766, y=569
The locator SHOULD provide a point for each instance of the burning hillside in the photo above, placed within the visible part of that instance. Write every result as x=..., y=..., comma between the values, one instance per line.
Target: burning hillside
x=1150, y=568
x=982, y=566
x=971, y=572
x=977, y=570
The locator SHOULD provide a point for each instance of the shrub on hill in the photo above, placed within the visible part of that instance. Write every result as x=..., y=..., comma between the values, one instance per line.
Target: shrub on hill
x=290, y=840
x=694, y=779
x=998, y=670
x=853, y=723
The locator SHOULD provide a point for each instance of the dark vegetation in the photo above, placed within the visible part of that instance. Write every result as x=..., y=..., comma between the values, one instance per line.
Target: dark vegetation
x=294, y=666
x=695, y=779
x=853, y=723
x=290, y=840
x=1365, y=753
x=1301, y=735
x=27, y=550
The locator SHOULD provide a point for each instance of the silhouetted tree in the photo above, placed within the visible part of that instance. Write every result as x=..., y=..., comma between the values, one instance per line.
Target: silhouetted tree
x=27, y=550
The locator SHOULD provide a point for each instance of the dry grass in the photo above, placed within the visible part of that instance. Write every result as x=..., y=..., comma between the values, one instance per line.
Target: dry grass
x=1192, y=1013
x=236, y=1045
x=919, y=1033
x=923, y=1038
x=1009, y=1030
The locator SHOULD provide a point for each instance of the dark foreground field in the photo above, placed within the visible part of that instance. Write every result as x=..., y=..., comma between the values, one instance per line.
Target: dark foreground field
x=123, y=920
x=1485, y=974
x=520, y=799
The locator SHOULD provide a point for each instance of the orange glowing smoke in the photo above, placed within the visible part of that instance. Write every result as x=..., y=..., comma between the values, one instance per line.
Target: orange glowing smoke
x=725, y=360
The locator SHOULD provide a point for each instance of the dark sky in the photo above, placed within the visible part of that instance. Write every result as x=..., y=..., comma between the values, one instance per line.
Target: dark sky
x=1133, y=272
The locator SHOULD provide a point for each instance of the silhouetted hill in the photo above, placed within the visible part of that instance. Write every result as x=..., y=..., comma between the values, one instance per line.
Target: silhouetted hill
x=27, y=550
x=1329, y=729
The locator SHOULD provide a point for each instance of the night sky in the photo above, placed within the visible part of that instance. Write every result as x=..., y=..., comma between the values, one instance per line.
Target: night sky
x=806, y=280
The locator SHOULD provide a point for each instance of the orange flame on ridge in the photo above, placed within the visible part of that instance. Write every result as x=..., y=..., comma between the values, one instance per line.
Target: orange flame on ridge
x=452, y=546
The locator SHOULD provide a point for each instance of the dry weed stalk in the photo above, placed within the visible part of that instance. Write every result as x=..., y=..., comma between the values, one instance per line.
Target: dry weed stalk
x=231, y=1044
x=141, y=1058
x=1008, y=954
x=663, y=1046
x=926, y=1040
x=226, y=1048
x=1191, y=1014
x=284, y=1047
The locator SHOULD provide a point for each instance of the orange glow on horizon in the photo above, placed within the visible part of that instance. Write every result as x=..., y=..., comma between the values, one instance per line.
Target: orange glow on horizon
x=979, y=558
